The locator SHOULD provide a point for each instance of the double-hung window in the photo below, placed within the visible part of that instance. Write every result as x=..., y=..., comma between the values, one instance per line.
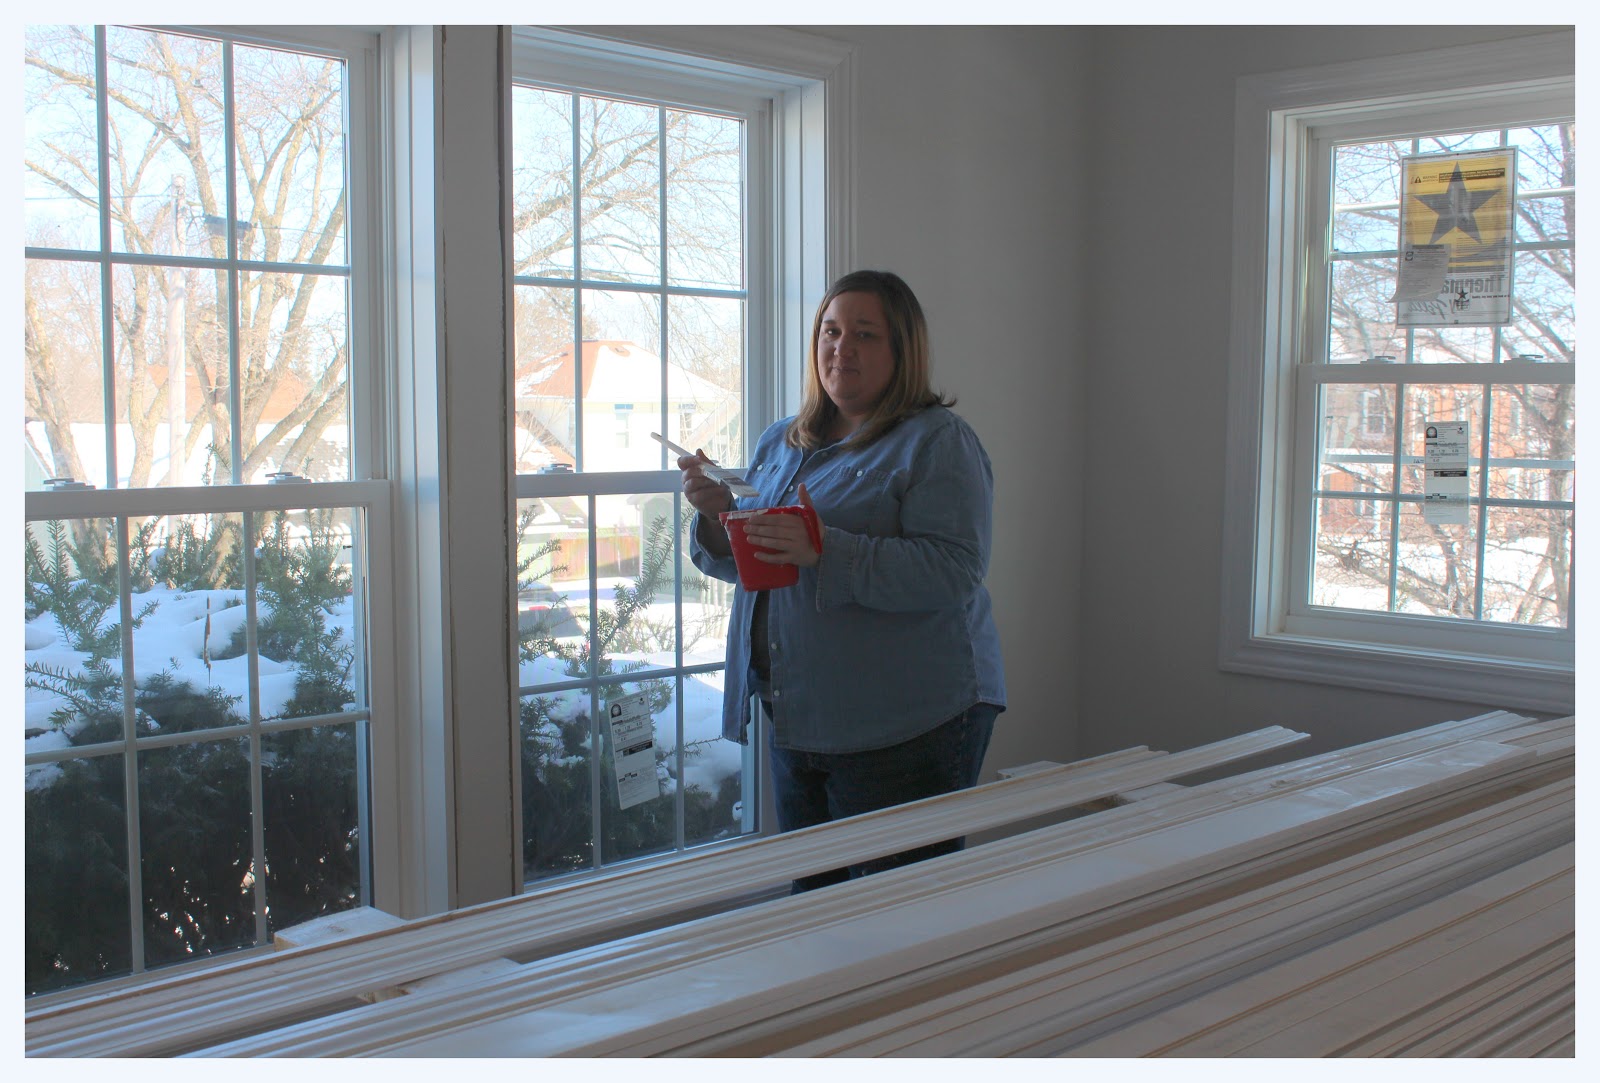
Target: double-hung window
x=200, y=442
x=660, y=255
x=1379, y=553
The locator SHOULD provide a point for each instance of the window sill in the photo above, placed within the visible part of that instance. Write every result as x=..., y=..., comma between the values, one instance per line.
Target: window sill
x=1477, y=679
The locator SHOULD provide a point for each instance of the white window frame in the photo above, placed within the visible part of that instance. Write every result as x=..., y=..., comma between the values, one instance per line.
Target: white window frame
x=790, y=90
x=1277, y=119
x=366, y=492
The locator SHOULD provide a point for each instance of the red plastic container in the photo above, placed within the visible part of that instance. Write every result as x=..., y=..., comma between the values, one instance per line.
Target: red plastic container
x=758, y=574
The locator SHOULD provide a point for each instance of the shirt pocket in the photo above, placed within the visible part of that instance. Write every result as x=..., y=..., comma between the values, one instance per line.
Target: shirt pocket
x=864, y=500
x=767, y=476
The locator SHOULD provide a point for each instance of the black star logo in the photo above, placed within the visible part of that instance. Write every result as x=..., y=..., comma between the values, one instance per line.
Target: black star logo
x=1456, y=206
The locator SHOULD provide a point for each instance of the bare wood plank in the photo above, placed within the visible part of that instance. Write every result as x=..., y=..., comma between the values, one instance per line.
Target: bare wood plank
x=1430, y=1029
x=1529, y=1033
x=679, y=989
x=187, y=1009
x=1232, y=1019
x=1030, y=1011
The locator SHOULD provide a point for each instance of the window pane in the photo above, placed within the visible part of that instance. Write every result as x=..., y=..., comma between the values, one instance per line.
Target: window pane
x=1351, y=562
x=72, y=637
x=310, y=823
x=77, y=842
x=1528, y=566
x=1358, y=433
x=1427, y=403
x=1373, y=228
x=1366, y=214
x=705, y=381
x=1369, y=173
x=552, y=587
x=1547, y=156
x=61, y=168
x=546, y=391
x=1544, y=310
x=289, y=127
x=77, y=874
x=305, y=612
x=541, y=180
x=1549, y=218
x=1361, y=314
x=634, y=580
x=1453, y=345
x=194, y=831
x=704, y=201
x=166, y=116
x=294, y=362
x=171, y=320
x=716, y=793
x=1531, y=446
x=621, y=380
x=1437, y=571
x=619, y=188
x=557, y=788
x=64, y=383
x=1437, y=144
x=189, y=640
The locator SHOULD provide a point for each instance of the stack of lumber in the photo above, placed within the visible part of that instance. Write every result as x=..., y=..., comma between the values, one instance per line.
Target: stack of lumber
x=1411, y=896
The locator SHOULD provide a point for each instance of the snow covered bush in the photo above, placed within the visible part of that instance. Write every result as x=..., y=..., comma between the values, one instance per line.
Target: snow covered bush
x=196, y=877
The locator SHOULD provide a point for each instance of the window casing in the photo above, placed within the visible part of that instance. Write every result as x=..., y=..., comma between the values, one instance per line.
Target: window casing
x=1321, y=582
x=216, y=701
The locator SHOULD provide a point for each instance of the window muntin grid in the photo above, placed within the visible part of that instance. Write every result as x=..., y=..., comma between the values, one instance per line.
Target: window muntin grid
x=1512, y=564
x=631, y=318
x=210, y=220
x=274, y=719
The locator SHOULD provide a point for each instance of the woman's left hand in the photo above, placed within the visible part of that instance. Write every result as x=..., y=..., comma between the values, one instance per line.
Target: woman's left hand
x=785, y=535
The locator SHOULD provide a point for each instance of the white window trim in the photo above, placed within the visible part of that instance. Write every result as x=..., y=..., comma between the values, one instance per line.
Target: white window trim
x=1273, y=116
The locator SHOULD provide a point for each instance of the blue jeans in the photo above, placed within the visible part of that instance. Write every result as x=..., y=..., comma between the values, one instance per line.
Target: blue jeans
x=816, y=787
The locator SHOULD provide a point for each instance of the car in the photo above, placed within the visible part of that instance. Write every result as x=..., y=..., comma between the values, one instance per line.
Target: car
x=541, y=608
x=556, y=468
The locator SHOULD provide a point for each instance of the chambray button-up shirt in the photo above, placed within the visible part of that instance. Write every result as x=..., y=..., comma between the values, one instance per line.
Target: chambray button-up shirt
x=892, y=633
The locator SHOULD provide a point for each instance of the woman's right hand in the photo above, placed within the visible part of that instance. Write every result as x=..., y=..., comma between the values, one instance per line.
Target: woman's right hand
x=708, y=497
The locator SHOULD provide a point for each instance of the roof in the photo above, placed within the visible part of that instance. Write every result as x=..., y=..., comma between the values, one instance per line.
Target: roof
x=614, y=370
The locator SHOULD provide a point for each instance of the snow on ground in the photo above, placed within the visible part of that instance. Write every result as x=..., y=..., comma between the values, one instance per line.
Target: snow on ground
x=186, y=631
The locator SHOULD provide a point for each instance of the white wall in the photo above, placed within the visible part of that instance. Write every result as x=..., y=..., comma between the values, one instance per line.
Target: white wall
x=1160, y=214
x=970, y=184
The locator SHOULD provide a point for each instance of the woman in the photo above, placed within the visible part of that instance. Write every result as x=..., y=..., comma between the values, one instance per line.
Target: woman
x=880, y=670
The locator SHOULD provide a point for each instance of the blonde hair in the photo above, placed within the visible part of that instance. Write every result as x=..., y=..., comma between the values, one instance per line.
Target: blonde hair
x=909, y=389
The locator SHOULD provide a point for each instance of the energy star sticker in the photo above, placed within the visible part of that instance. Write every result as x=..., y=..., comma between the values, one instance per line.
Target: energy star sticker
x=1456, y=207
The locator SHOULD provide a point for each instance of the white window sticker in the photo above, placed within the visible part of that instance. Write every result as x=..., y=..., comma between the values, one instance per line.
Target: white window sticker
x=1422, y=271
x=633, y=749
x=1444, y=484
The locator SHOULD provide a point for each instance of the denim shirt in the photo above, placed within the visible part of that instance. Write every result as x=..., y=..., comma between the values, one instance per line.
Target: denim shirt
x=892, y=632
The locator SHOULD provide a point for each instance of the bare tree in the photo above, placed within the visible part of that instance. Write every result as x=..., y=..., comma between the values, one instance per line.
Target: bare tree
x=167, y=197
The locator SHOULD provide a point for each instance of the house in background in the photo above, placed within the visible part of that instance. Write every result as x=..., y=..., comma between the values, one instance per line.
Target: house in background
x=621, y=406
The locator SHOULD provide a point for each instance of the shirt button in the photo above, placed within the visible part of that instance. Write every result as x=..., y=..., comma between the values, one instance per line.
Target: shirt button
x=859, y=473
x=774, y=647
x=776, y=692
